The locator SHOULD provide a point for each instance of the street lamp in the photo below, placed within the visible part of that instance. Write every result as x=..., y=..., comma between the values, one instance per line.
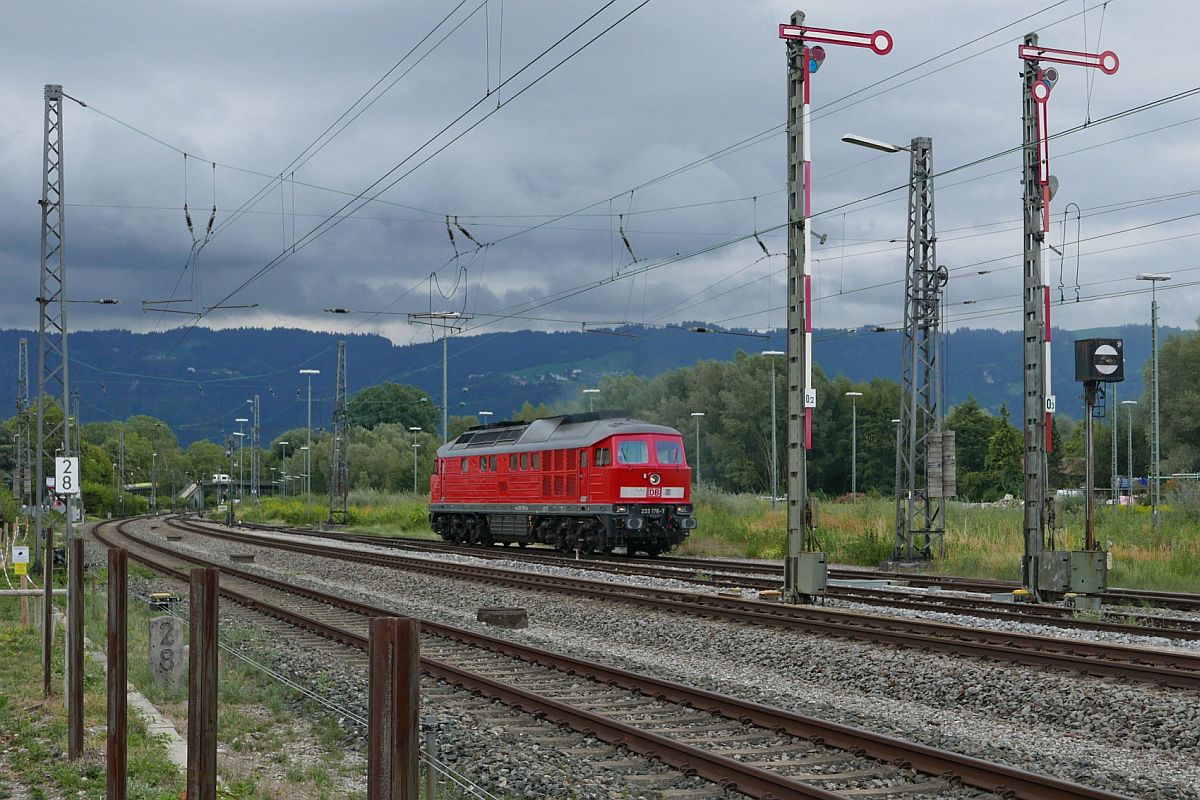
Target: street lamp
x=308, y=449
x=1129, y=404
x=874, y=144
x=591, y=393
x=241, y=452
x=774, y=426
x=154, y=483
x=414, y=430
x=283, y=466
x=854, y=444
x=485, y=417
x=696, y=415
x=1155, y=443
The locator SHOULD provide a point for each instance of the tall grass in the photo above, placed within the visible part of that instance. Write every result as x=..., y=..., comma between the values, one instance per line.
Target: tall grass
x=984, y=542
x=369, y=510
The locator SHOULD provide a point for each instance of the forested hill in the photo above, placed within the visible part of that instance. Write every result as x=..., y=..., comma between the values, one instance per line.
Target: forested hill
x=199, y=382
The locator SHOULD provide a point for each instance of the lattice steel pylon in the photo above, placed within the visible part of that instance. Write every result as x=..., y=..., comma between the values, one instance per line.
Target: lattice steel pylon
x=53, y=382
x=255, y=451
x=339, y=468
x=920, y=522
x=52, y=323
x=24, y=460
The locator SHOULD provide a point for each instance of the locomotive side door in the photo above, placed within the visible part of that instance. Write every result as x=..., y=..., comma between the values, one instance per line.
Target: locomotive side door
x=585, y=473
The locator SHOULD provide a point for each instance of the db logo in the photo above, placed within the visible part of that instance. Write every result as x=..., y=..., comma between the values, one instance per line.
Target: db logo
x=654, y=491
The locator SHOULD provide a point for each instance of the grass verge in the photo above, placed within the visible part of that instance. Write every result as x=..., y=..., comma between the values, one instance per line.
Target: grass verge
x=270, y=746
x=33, y=730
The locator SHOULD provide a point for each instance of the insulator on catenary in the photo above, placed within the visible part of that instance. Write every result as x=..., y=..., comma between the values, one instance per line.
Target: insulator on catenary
x=465, y=232
x=187, y=216
x=760, y=244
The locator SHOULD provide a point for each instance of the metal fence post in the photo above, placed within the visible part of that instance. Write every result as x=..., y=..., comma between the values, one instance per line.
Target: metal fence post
x=47, y=610
x=118, y=672
x=393, y=734
x=202, y=685
x=75, y=648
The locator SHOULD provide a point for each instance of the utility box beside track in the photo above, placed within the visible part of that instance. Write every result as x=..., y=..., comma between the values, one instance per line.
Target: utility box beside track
x=1079, y=571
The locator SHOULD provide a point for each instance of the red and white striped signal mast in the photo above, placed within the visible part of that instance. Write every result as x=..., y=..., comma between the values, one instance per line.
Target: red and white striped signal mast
x=1038, y=81
x=805, y=567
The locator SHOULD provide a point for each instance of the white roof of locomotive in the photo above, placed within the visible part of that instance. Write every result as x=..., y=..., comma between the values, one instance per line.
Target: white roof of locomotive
x=551, y=433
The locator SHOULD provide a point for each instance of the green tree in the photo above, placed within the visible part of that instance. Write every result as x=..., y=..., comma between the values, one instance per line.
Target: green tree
x=393, y=402
x=1005, y=459
x=1179, y=402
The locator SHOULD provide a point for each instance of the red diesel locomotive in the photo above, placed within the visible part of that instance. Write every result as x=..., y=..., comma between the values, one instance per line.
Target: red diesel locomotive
x=591, y=481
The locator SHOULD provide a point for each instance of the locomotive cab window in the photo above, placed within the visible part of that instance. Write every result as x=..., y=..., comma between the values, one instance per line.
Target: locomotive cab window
x=483, y=463
x=583, y=459
x=492, y=464
x=634, y=451
x=668, y=452
x=537, y=460
x=524, y=460
x=465, y=465
x=603, y=456
x=512, y=463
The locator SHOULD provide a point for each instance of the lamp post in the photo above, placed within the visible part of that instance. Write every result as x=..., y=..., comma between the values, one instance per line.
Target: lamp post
x=240, y=439
x=774, y=426
x=1129, y=404
x=283, y=466
x=854, y=444
x=308, y=449
x=696, y=415
x=241, y=451
x=304, y=449
x=1155, y=441
x=591, y=393
x=485, y=417
x=154, y=483
x=414, y=430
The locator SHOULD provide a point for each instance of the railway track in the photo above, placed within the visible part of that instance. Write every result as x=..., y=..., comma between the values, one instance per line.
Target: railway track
x=739, y=746
x=1164, y=667
x=760, y=577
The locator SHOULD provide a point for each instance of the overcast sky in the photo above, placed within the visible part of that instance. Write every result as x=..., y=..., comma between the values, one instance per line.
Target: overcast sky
x=251, y=85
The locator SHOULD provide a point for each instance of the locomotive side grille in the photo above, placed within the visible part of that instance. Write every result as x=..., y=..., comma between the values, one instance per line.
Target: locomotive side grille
x=558, y=485
x=545, y=484
x=571, y=486
x=558, y=459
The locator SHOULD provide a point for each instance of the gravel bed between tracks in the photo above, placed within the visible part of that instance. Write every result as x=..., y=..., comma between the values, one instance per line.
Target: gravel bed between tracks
x=950, y=617
x=1136, y=739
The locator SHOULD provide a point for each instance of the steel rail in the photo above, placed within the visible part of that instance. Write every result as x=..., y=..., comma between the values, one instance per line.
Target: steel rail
x=1057, y=616
x=1182, y=601
x=1165, y=667
x=1003, y=780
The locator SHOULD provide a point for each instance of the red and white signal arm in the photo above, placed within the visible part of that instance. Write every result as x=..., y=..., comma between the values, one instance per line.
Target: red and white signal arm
x=66, y=475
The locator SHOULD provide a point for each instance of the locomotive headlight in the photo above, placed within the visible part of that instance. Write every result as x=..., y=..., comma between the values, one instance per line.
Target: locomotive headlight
x=655, y=479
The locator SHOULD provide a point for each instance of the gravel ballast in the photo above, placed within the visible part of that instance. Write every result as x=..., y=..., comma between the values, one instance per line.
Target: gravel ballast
x=1137, y=739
